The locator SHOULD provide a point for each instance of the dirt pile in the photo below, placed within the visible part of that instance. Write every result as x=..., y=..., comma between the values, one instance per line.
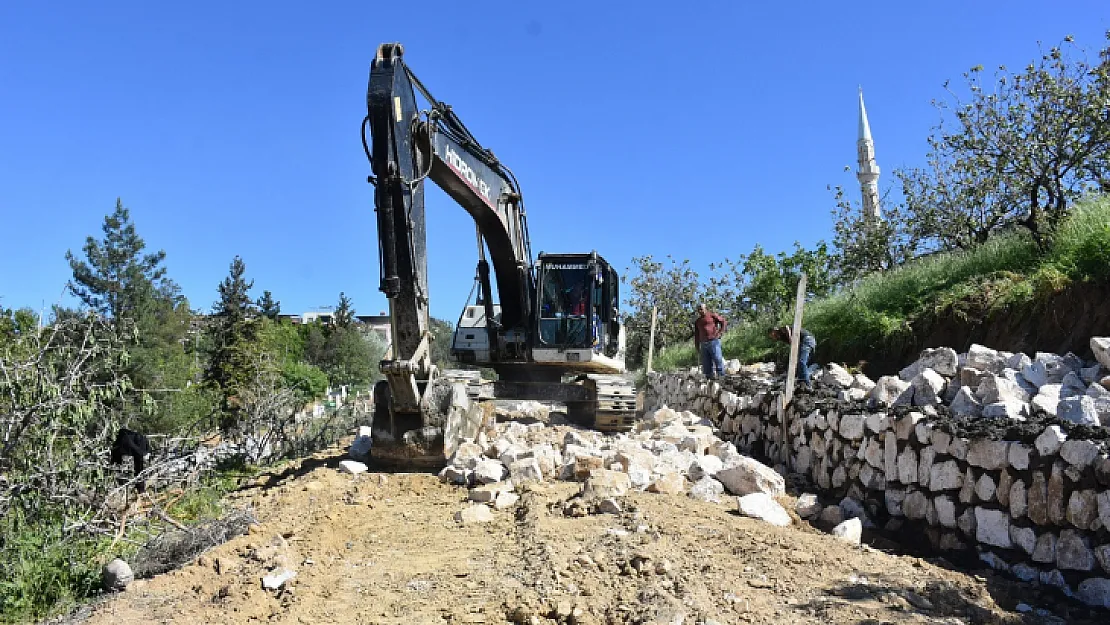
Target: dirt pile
x=377, y=548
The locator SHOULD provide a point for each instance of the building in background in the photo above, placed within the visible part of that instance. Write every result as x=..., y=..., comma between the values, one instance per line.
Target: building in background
x=868, y=172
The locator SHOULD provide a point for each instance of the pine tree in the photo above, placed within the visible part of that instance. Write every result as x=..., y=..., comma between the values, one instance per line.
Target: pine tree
x=116, y=276
x=233, y=333
x=344, y=312
x=269, y=307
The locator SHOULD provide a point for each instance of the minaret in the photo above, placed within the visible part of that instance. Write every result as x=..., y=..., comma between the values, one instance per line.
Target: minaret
x=868, y=173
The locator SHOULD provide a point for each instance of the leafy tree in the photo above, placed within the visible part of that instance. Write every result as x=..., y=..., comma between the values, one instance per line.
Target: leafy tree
x=233, y=334
x=863, y=245
x=443, y=333
x=269, y=307
x=1018, y=152
x=674, y=289
x=344, y=312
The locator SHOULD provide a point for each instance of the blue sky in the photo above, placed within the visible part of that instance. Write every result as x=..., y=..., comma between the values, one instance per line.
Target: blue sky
x=694, y=129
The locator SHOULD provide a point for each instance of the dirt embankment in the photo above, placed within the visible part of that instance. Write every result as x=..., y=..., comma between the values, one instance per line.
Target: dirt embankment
x=384, y=548
x=1060, y=323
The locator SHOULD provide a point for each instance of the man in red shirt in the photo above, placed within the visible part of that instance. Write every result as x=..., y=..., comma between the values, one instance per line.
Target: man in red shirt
x=708, y=329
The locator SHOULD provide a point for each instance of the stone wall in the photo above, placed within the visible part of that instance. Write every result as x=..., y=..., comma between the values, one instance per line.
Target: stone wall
x=1025, y=499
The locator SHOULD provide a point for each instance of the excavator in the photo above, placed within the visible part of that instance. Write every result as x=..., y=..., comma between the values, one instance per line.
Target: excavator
x=555, y=335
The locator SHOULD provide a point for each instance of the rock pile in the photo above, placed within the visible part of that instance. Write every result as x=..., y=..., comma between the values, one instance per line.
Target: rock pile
x=669, y=452
x=991, y=453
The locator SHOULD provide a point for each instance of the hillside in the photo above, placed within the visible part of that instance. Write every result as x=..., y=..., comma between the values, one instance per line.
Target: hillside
x=1006, y=293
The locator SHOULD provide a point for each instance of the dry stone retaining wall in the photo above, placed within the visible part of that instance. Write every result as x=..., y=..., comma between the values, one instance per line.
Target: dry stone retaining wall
x=1027, y=500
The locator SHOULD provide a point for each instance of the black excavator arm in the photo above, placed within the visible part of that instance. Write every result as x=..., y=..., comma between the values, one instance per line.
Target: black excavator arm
x=406, y=147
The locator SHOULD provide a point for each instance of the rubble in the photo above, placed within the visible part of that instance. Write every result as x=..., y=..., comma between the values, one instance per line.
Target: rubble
x=762, y=506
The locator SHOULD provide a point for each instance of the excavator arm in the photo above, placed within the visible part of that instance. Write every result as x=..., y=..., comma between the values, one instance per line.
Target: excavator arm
x=406, y=147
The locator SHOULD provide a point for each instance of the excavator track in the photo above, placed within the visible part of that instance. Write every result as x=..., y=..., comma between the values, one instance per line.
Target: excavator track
x=614, y=408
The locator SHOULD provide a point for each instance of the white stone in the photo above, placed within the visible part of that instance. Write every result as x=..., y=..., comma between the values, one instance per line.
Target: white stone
x=704, y=466
x=454, y=475
x=890, y=391
x=852, y=509
x=1091, y=375
x=1100, y=345
x=1079, y=410
x=943, y=360
x=668, y=484
x=762, y=506
x=1073, y=551
x=946, y=511
x=476, y=513
x=505, y=500
x=992, y=527
x=965, y=404
x=850, y=531
x=915, y=505
x=489, y=471
x=910, y=372
x=836, y=376
x=985, y=359
x=1072, y=385
x=1018, y=361
x=925, y=465
x=1045, y=549
x=752, y=476
x=116, y=575
x=994, y=389
x=862, y=382
x=278, y=577
x=1104, y=510
x=928, y=387
x=353, y=467
x=605, y=483
x=985, y=487
x=487, y=493
x=1094, y=591
x=1050, y=441
x=945, y=476
x=1018, y=503
x=1019, y=456
x=852, y=426
x=1023, y=537
x=360, y=447
x=904, y=425
x=1082, y=508
x=1016, y=410
x=707, y=489
x=1102, y=554
x=988, y=454
x=1047, y=404
x=526, y=470
x=877, y=422
x=894, y=497
x=1080, y=453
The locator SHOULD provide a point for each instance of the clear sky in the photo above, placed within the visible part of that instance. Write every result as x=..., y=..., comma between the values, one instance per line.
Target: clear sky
x=695, y=129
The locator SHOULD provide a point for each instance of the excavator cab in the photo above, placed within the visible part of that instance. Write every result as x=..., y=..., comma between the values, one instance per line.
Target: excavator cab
x=578, y=313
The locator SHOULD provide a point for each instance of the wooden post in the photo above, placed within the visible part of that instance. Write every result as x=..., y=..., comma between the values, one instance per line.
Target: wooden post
x=792, y=366
x=651, y=340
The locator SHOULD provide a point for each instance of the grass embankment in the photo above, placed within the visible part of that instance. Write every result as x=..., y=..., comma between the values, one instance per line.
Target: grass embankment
x=882, y=309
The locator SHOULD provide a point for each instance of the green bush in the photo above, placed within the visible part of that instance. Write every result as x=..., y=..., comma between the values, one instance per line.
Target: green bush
x=44, y=574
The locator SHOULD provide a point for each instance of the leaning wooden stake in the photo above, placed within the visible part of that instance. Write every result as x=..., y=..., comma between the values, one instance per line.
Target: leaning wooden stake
x=651, y=340
x=792, y=368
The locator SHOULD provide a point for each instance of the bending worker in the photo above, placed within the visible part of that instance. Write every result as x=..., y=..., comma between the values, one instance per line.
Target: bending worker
x=805, y=349
x=708, y=329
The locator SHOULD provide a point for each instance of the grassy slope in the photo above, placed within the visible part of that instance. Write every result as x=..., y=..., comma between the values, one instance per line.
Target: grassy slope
x=882, y=307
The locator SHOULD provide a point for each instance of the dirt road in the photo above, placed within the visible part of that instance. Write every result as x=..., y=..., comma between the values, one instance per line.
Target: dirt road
x=385, y=548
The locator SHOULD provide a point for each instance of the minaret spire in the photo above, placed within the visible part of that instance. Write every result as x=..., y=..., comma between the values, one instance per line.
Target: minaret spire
x=868, y=172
